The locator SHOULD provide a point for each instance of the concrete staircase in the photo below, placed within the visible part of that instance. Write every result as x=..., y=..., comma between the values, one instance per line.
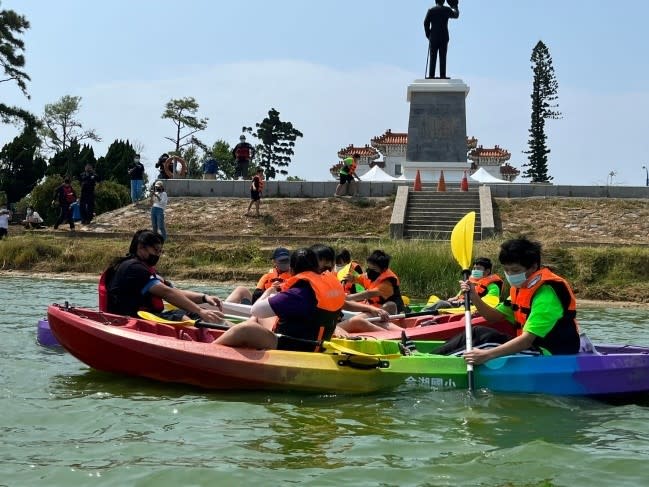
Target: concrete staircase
x=432, y=215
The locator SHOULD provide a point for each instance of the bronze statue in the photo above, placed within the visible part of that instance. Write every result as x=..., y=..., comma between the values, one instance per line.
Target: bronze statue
x=436, y=28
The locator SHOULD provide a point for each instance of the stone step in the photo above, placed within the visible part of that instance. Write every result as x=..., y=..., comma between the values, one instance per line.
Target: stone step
x=443, y=206
x=434, y=219
x=427, y=235
x=429, y=226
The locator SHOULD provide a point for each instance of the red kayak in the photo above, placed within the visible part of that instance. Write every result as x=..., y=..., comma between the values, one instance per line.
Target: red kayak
x=440, y=327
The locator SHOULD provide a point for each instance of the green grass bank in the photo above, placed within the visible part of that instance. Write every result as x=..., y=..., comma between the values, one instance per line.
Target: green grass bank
x=606, y=273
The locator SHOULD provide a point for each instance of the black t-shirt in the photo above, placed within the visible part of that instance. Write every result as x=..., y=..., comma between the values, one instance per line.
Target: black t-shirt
x=137, y=171
x=128, y=289
x=88, y=182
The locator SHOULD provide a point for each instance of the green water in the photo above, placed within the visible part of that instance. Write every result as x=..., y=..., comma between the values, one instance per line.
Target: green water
x=63, y=424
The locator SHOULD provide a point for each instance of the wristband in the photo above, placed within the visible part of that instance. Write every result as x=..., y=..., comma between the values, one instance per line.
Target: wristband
x=205, y=298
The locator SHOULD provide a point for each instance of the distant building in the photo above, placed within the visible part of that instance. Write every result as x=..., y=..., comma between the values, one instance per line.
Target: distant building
x=392, y=146
x=494, y=161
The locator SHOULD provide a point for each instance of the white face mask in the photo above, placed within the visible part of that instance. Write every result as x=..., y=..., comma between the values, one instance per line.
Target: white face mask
x=339, y=268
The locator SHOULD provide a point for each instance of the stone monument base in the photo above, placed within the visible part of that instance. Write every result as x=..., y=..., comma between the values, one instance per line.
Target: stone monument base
x=430, y=171
x=437, y=130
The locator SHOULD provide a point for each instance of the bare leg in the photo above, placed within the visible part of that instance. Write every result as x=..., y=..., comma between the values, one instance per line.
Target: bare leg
x=359, y=324
x=249, y=334
x=240, y=294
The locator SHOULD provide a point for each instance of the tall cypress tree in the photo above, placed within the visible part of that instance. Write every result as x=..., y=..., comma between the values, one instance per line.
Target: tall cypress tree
x=20, y=167
x=544, y=106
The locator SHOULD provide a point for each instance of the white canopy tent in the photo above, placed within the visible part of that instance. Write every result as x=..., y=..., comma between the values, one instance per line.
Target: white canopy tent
x=376, y=174
x=482, y=176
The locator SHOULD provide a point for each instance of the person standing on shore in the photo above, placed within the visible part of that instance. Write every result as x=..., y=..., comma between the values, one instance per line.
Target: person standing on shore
x=347, y=174
x=159, y=205
x=65, y=196
x=88, y=181
x=5, y=215
x=243, y=153
x=256, y=189
x=136, y=173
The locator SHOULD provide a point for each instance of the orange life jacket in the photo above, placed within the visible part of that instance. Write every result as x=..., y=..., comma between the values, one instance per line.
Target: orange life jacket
x=378, y=301
x=260, y=185
x=271, y=276
x=481, y=285
x=330, y=298
x=564, y=336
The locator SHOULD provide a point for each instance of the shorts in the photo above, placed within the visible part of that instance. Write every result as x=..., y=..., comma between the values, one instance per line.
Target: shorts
x=255, y=195
x=3, y=232
x=295, y=344
x=346, y=178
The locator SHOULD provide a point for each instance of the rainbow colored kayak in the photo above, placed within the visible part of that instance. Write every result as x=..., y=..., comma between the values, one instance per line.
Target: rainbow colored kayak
x=182, y=354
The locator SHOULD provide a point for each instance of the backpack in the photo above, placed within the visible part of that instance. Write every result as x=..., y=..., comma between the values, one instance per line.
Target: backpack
x=242, y=152
x=68, y=194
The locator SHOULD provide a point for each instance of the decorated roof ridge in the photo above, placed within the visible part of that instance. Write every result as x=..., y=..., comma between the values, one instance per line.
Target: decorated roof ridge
x=390, y=138
x=509, y=169
x=496, y=152
x=366, y=151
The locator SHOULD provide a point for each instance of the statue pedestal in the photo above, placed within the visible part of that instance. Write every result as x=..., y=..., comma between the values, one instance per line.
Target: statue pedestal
x=437, y=130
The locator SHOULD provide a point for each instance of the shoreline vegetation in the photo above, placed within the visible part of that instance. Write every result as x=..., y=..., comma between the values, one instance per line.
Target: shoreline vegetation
x=598, y=244
x=600, y=273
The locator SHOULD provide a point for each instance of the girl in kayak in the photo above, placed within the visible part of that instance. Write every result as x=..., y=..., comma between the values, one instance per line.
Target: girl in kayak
x=303, y=314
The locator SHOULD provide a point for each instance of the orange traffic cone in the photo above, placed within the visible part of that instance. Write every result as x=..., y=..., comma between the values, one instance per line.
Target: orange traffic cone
x=464, y=185
x=417, y=185
x=441, y=184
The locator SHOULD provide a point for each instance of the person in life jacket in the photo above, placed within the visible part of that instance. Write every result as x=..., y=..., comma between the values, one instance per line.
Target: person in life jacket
x=131, y=284
x=303, y=314
x=256, y=188
x=275, y=277
x=541, y=305
x=243, y=153
x=326, y=256
x=488, y=286
x=347, y=174
x=380, y=283
x=345, y=266
x=65, y=196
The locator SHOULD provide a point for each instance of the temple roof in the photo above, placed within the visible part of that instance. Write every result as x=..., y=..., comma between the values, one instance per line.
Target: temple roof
x=507, y=169
x=495, y=153
x=366, y=152
x=390, y=138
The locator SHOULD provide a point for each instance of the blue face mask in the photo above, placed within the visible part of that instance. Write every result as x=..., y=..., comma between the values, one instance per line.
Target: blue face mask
x=516, y=280
x=477, y=273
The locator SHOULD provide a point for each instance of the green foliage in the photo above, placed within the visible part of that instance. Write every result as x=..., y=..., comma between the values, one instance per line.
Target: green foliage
x=12, y=61
x=277, y=140
x=544, y=106
x=110, y=195
x=20, y=170
x=182, y=112
x=222, y=152
x=61, y=127
x=294, y=178
x=193, y=159
x=114, y=165
x=23, y=253
x=72, y=160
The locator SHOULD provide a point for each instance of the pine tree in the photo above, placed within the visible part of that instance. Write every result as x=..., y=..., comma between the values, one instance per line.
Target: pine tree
x=544, y=106
x=277, y=142
x=20, y=169
x=114, y=165
x=12, y=62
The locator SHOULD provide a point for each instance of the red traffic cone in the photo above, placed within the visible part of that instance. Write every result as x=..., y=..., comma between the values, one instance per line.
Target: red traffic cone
x=441, y=184
x=464, y=185
x=417, y=185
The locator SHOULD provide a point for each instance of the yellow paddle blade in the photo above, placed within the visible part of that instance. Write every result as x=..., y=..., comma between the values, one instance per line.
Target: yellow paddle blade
x=462, y=240
x=151, y=317
x=342, y=273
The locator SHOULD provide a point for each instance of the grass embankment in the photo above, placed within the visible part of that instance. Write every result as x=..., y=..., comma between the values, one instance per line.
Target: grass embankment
x=600, y=273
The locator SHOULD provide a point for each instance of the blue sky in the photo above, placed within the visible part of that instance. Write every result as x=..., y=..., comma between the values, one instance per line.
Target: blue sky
x=339, y=71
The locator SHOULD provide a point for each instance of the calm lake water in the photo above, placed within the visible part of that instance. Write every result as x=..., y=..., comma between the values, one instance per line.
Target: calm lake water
x=63, y=424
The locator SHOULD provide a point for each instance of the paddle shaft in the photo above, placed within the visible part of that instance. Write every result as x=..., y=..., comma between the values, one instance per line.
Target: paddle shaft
x=468, y=332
